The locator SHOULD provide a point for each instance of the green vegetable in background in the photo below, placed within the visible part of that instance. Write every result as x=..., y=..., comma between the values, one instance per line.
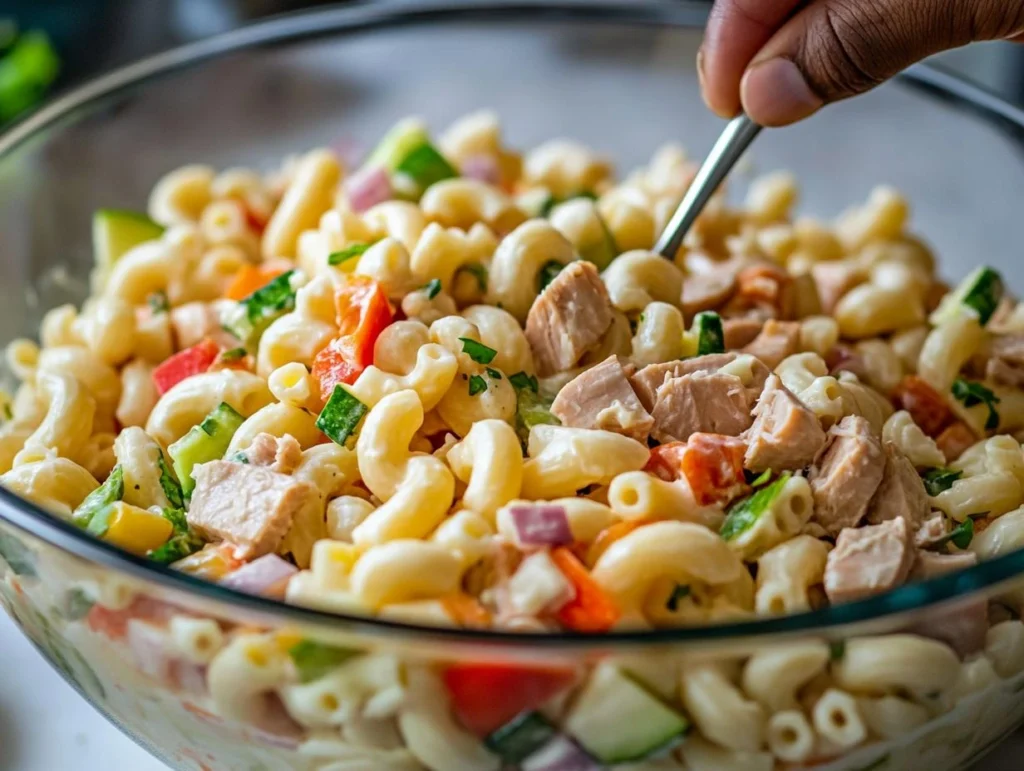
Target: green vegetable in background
x=27, y=70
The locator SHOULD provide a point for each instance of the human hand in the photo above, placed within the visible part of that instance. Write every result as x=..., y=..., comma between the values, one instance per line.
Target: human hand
x=782, y=60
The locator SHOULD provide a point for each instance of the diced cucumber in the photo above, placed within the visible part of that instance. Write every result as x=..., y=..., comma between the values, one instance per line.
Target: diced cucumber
x=532, y=409
x=406, y=151
x=249, y=319
x=745, y=513
x=710, y=334
x=341, y=415
x=520, y=738
x=99, y=499
x=313, y=660
x=204, y=443
x=116, y=231
x=981, y=291
x=617, y=721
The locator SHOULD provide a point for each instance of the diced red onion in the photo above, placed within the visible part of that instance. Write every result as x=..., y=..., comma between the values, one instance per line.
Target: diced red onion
x=267, y=575
x=541, y=524
x=560, y=754
x=149, y=649
x=368, y=188
x=482, y=167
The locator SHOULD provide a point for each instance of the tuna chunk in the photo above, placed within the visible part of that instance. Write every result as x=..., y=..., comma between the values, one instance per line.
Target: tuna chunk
x=868, y=560
x=901, y=492
x=249, y=506
x=280, y=454
x=568, y=318
x=963, y=625
x=931, y=532
x=648, y=380
x=848, y=475
x=785, y=434
x=709, y=403
x=1006, y=360
x=741, y=331
x=602, y=397
x=834, y=279
x=777, y=340
x=707, y=291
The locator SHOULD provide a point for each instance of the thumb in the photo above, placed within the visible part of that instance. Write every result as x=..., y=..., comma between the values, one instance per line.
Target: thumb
x=833, y=49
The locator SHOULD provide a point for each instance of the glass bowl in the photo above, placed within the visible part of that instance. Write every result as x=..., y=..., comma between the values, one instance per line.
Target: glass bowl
x=144, y=644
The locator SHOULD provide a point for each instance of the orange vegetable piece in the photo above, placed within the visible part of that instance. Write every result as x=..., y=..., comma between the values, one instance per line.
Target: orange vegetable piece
x=250, y=278
x=591, y=610
x=713, y=466
x=926, y=406
x=466, y=610
x=610, y=535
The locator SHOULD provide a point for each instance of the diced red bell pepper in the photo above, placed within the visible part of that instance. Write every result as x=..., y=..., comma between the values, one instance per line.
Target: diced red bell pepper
x=485, y=697
x=363, y=313
x=185, y=364
x=591, y=610
x=926, y=405
x=713, y=467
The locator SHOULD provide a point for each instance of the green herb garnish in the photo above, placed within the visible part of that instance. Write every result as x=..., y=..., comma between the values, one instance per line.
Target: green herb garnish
x=251, y=316
x=234, y=354
x=757, y=480
x=681, y=592
x=477, y=351
x=938, y=480
x=549, y=270
x=493, y=373
x=521, y=380
x=350, y=252
x=479, y=271
x=836, y=650
x=433, y=288
x=971, y=393
x=477, y=385
x=158, y=302
x=341, y=415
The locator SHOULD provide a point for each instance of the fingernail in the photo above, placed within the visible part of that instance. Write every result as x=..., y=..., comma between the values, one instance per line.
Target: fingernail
x=775, y=93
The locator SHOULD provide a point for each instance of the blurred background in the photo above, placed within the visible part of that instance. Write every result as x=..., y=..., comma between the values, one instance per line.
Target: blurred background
x=48, y=45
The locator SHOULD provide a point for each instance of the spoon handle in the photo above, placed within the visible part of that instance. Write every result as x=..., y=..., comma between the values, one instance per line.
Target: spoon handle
x=735, y=139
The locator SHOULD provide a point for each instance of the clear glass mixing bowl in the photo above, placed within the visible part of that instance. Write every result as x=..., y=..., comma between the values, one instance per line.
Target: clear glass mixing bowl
x=620, y=77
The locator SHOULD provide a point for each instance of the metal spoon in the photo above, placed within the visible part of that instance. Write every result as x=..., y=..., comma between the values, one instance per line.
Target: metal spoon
x=733, y=142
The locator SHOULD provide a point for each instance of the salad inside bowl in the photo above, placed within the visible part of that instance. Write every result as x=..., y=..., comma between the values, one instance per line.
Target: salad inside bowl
x=405, y=451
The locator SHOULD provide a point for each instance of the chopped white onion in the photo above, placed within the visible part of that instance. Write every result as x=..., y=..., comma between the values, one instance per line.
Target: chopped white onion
x=540, y=524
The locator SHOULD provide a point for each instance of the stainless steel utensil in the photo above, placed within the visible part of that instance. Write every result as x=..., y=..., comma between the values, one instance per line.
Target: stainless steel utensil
x=731, y=145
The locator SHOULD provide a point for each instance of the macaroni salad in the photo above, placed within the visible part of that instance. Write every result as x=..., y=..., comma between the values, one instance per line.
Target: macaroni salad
x=454, y=386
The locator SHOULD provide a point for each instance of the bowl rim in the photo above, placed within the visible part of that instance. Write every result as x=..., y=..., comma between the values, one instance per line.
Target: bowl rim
x=833, y=622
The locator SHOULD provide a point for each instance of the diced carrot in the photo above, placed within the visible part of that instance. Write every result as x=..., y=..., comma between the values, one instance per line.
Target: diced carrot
x=955, y=439
x=466, y=610
x=610, y=535
x=250, y=278
x=185, y=364
x=363, y=313
x=591, y=610
x=713, y=467
x=926, y=405
x=665, y=461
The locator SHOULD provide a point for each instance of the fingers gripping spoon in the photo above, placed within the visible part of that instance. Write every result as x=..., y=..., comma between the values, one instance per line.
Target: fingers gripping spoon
x=731, y=145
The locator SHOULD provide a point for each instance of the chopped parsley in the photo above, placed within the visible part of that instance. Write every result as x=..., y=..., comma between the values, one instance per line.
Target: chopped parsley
x=836, y=650
x=757, y=480
x=251, y=316
x=681, y=592
x=234, y=354
x=8, y=412
x=971, y=393
x=961, y=535
x=433, y=288
x=340, y=416
x=477, y=351
x=521, y=380
x=348, y=253
x=493, y=374
x=938, y=480
x=477, y=385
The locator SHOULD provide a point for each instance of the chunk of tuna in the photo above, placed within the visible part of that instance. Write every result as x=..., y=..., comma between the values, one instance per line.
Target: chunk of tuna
x=710, y=403
x=741, y=331
x=1006, y=360
x=602, y=397
x=901, y=492
x=835, y=279
x=785, y=434
x=777, y=340
x=847, y=475
x=868, y=560
x=931, y=532
x=568, y=318
x=249, y=506
x=962, y=626
x=648, y=380
x=707, y=291
x=281, y=454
